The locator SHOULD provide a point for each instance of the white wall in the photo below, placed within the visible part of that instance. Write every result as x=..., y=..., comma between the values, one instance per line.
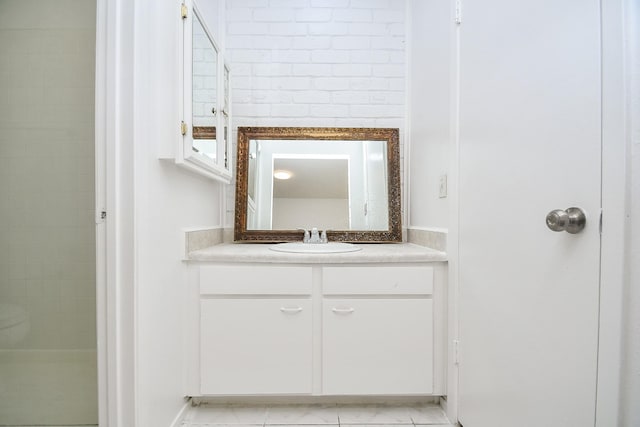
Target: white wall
x=430, y=59
x=317, y=63
x=166, y=199
x=630, y=409
x=324, y=63
x=324, y=214
x=47, y=243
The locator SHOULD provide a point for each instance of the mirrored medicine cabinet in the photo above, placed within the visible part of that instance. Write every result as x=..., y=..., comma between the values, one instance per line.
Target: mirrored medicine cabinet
x=343, y=180
x=205, y=145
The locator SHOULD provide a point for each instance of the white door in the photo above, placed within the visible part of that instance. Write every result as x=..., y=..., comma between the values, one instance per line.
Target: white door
x=529, y=143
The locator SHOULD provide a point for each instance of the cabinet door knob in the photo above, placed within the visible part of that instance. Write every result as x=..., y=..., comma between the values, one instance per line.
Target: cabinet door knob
x=337, y=310
x=291, y=310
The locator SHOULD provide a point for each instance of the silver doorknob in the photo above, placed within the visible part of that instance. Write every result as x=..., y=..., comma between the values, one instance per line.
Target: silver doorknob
x=571, y=220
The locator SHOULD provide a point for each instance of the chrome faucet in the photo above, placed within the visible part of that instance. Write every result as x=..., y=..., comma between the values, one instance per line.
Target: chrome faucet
x=315, y=237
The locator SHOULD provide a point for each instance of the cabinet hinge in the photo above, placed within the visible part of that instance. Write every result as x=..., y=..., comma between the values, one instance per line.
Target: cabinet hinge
x=458, y=11
x=456, y=352
x=183, y=128
x=183, y=11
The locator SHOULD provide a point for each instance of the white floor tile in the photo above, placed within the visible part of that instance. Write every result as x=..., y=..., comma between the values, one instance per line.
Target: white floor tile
x=428, y=414
x=374, y=414
x=200, y=424
x=376, y=425
x=228, y=415
x=302, y=414
x=300, y=425
x=216, y=415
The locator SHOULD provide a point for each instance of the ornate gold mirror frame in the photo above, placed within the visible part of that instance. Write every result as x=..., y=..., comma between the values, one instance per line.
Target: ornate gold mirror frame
x=390, y=136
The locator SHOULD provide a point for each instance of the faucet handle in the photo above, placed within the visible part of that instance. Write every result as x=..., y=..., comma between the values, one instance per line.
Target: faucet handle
x=323, y=237
x=305, y=237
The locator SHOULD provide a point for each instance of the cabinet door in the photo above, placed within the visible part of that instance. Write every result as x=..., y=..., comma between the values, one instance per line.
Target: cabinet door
x=377, y=346
x=255, y=346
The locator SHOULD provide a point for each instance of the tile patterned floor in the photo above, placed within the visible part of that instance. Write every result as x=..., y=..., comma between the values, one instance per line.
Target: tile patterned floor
x=216, y=415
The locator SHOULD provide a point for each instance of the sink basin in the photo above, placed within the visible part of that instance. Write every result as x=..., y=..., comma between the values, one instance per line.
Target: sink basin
x=315, y=248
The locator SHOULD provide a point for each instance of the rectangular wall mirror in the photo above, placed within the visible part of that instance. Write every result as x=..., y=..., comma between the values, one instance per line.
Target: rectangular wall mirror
x=343, y=180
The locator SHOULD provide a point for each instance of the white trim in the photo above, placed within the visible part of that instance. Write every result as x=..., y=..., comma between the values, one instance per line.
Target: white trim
x=406, y=206
x=105, y=410
x=182, y=414
x=432, y=229
x=185, y=230
x=453, y=231
x=114, y=243
x=194, y=164
x=613, y=205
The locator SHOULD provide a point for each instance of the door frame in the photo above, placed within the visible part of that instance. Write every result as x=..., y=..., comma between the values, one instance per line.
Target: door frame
x=612, y=250
x=115, y=264
x=102, y=327
x=614, y=181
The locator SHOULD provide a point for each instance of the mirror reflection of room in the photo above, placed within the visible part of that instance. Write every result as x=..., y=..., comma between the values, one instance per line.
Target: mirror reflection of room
x=311, y=191
x=205, y=65
x=331, y=185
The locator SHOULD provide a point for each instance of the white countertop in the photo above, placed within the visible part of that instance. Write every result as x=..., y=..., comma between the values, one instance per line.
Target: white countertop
x=371, y=252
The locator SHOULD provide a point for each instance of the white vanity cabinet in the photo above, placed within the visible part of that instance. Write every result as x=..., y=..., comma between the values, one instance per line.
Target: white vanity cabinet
x=317, y=329
x=377, y=330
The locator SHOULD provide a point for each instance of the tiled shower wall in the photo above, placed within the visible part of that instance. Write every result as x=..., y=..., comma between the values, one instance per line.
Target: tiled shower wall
x=47, y=243
x=316, y=63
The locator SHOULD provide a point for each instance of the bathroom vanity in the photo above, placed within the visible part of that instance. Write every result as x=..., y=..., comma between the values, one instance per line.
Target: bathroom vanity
x=370, y=322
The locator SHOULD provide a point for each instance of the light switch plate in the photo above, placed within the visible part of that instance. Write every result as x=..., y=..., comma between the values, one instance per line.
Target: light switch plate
x=443, y=186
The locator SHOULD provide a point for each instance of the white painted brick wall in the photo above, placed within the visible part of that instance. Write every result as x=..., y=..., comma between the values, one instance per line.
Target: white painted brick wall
x=316, y=63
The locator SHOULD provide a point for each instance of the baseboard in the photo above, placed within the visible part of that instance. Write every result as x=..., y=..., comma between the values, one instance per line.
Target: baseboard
x=314, y=400
x=182, y=414
x=443, y=403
